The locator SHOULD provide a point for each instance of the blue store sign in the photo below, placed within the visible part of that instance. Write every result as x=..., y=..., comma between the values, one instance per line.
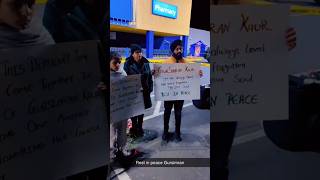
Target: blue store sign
x=164, y=9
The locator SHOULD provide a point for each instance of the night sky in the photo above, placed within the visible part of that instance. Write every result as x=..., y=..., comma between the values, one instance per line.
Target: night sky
x=200, y=14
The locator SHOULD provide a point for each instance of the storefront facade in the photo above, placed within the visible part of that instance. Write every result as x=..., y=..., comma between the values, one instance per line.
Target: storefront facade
x=152, y=18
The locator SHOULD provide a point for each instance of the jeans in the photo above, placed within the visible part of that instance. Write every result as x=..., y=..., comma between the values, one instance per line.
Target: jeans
x=118, y=135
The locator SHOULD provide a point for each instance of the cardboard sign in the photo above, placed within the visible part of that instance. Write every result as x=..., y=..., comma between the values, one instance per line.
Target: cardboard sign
x=249, y=63
x=179, y=81
x=126, y=98
x=53, y=118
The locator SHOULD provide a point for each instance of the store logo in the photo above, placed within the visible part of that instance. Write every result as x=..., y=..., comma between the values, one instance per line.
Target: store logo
x=163, y=9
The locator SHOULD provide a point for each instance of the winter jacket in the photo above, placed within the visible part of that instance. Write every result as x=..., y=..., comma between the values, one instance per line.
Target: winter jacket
x=131, y=67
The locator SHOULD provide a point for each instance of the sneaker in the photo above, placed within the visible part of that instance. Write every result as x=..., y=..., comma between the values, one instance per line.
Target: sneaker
x=127, y=160
x=177, y=137
x=133, y=133
x=136, y=153
x=119, y=155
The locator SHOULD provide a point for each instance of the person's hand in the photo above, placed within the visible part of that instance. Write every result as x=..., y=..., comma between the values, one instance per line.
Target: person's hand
x=291, y=38
x=155, y=72
x=200, y=73
x=102, y=86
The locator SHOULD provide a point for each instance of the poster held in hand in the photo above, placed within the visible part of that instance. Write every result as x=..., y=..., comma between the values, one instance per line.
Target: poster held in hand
x=249, y=63
x=53, y=118
x=179, y=81
x=126, y=98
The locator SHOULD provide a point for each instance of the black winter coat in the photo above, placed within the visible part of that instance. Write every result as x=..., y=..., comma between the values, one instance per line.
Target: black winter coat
x=131, y=68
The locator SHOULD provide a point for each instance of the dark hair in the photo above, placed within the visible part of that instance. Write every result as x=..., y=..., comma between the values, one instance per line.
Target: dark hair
x=215, y=2
x=95, y=9
x=174, y=44
x=17, y=4
x=114, y=55
x=135, y=47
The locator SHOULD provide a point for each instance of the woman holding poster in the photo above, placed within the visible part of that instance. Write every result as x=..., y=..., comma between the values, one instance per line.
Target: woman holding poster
x=18, y=27
x=137, y=64
x=222, y=133
x=118, y=130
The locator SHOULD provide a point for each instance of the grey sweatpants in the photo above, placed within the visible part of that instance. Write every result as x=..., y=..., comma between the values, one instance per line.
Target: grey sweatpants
x=118, y=135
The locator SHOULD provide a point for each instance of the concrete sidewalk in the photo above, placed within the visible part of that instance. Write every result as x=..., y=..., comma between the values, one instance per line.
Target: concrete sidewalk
x=195, y=133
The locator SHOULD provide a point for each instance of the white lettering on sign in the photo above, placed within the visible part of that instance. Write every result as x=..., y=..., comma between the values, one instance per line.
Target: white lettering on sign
x=165, y=10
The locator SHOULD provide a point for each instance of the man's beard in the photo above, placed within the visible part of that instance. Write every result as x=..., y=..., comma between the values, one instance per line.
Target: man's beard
x=177, y=56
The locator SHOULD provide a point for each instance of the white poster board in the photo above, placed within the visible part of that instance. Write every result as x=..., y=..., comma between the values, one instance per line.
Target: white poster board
x=178, y=81
x=249, y=67
x=53, y=120
x=126, y=98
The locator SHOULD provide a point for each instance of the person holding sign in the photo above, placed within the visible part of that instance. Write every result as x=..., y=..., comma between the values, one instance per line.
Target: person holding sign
x=118, y=136
x=118, y=130
x=176, y=49
x=137, y=64
x=223, y=132
x=18, y=27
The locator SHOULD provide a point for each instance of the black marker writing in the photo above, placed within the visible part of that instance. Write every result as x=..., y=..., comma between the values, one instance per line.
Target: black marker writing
x=14, y=90
x=213, y=101
x=220, y=28
x=6, y=135
x=233, y=99
x=262, y=26
x=7, y=114
x=33, y=126
x=12, y=70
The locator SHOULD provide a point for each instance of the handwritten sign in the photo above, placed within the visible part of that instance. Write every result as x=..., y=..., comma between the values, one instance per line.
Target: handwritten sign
x=249, y=63
x=177, y=81
x=53, y=118
x=126, y=98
